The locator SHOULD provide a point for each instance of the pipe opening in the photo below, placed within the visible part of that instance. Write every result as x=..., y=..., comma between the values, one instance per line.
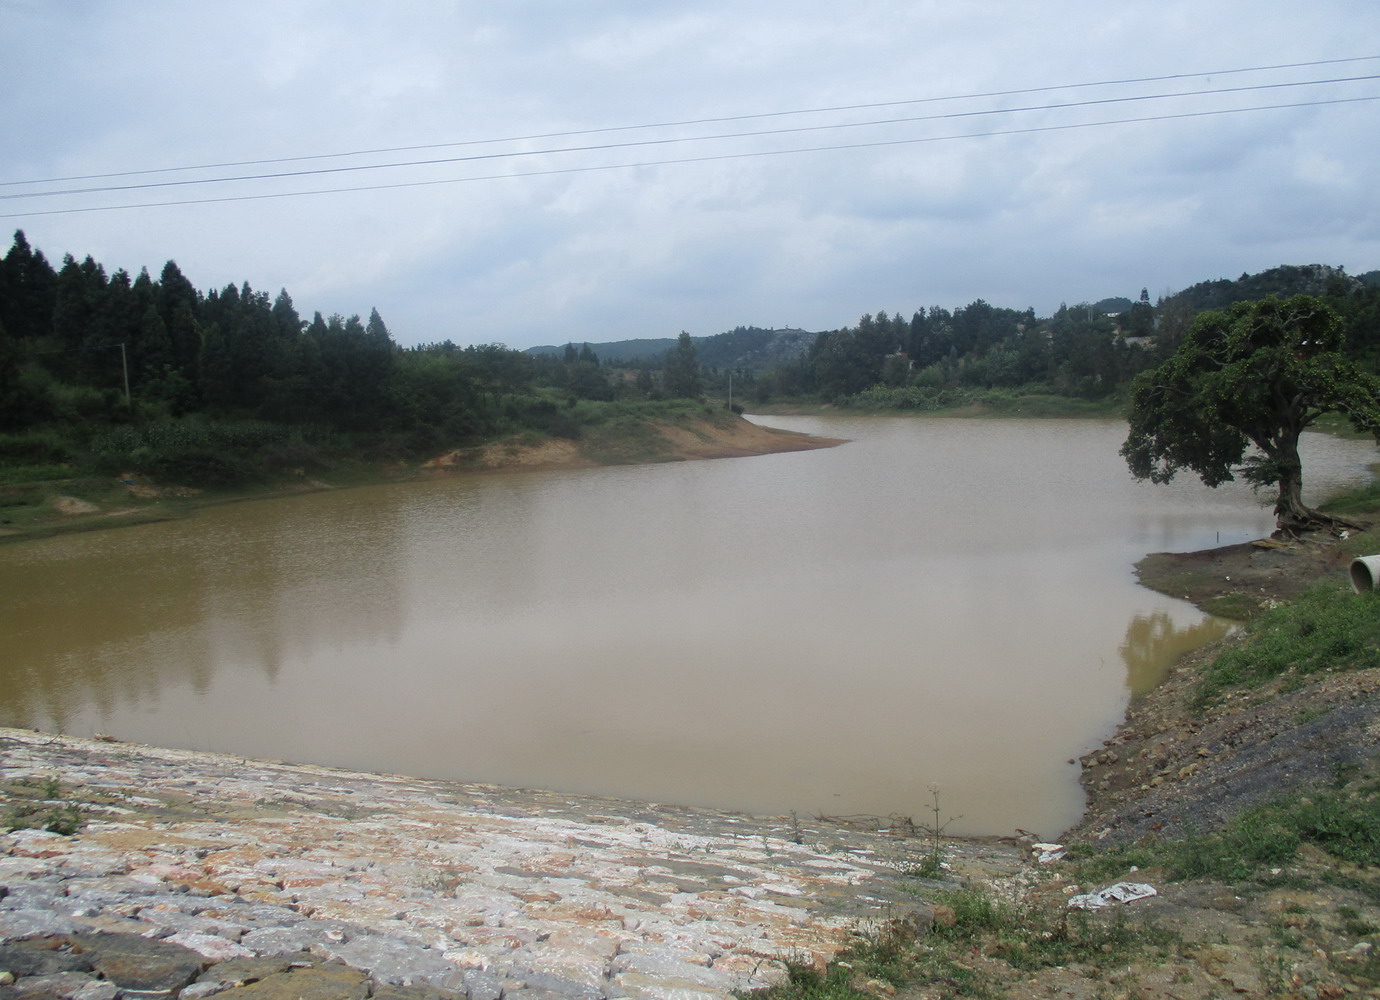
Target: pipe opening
x=1365, y=570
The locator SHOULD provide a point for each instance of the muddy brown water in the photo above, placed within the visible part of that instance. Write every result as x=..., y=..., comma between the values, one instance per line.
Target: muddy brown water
x=940, y=604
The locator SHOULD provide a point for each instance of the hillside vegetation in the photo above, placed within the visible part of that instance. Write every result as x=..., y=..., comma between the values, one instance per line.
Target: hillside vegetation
x=116, y=381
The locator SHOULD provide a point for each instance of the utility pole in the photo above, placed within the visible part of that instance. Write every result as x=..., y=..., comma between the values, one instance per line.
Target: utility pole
x=124, y=366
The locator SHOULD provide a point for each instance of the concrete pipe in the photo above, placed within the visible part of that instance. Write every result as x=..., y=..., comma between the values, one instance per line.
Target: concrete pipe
x=1365, y=571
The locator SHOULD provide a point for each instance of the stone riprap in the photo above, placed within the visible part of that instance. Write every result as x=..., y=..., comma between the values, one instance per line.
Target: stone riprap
x=251, y=878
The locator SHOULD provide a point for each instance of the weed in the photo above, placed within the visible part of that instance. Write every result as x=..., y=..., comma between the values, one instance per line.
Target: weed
x=1354, y=924
x=1286, y=936
x=1324, y=629
x=1026, y=936
x=39, y=805
x=870, y=957
x=1030, y=936
x=1310, y=714
x=932, y=864
x=1345, y=823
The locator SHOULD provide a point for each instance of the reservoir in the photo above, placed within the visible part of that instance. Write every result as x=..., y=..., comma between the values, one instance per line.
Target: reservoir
x=938, y=604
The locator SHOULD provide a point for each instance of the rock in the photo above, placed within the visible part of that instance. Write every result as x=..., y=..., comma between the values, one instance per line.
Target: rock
x=479, y=985
x=577, y=955
x=413, y=993
x=53, y=986
x=238, y=971
x=635, y=984
x=136, y=963
x=452, y=890
x=641, y=969
x=198, y=990
x=317, y=982
x=41, y=957
x=210, y=946
x=187, y=923
x=388, y=959
x=16, y=924
x=541, y=984
x=100, y=989
x=281, y=940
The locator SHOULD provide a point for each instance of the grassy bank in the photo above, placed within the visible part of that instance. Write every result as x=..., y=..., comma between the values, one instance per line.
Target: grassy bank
x=133, y=475
x=917, y=401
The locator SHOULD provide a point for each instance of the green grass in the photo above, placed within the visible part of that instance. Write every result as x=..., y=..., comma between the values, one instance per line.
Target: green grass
x=211, y=452
x=1026, y=936
x=1032, y=936
x=974, y=402
x=15, y=475
x=1364, y=500
x=886, y=958
x=1343, y=822
x=1325, y=629
x=624, y=432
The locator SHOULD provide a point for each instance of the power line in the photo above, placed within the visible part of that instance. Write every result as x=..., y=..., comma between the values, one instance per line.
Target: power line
x=698, y=121
x=601, y=147
x=695, y=159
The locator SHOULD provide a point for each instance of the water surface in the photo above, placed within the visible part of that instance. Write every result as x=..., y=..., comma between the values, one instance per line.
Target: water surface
x=943, y=602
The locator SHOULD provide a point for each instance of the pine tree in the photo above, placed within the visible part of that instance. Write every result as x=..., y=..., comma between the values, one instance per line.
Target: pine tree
x=682, y=378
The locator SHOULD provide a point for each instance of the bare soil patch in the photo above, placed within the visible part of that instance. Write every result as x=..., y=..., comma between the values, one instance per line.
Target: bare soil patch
x=658, y=442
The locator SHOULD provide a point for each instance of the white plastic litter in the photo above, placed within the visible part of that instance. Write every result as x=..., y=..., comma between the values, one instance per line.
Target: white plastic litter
x=1048, y=852
x=1122, y=892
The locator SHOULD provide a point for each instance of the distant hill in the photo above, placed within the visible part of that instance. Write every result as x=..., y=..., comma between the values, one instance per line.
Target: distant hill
x=624, y=350
x=1289, y=279
x=1117, y=304
x=758, y=349
x=743, y=347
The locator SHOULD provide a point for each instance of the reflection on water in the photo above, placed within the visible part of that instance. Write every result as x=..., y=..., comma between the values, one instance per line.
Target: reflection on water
x=831, y=631
x=123, y=618
x=1154, y=642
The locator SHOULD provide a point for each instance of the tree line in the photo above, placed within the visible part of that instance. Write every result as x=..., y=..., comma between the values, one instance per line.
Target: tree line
x=82, y=351
x=1082, y=351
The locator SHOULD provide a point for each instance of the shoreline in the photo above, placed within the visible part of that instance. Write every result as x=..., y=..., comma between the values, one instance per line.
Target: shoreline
x=134, y=500
x=1170, y=768
x=463, y=885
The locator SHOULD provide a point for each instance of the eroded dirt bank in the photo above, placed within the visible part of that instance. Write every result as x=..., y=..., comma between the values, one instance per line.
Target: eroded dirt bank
x=654, y=441
x=46, y=508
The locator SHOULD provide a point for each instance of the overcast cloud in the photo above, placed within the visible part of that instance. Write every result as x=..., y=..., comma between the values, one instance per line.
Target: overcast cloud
x=809, y=239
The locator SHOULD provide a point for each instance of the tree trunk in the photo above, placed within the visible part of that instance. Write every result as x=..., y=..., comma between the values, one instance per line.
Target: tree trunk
x=1292, y=516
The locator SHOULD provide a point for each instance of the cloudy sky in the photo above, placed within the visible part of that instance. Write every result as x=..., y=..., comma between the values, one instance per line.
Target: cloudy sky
x=591, y=170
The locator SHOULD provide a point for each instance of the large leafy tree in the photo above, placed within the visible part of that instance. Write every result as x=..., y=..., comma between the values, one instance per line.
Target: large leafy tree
x=1250, y=378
